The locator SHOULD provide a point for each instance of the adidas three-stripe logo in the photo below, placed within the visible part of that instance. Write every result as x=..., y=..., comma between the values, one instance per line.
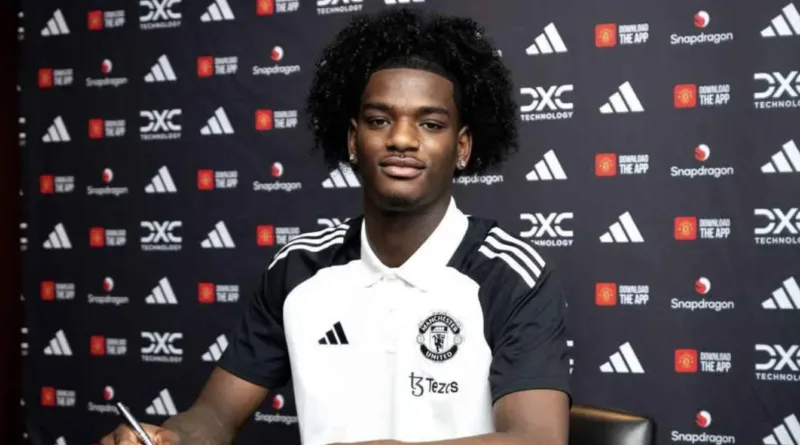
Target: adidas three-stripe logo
x=622, y=231
x=342, y=177
x=622, y=101
x=518, y=255
x=58, y=345
x=623, y=361
x=58, y=239
x=218, y=11
x=784, y=433
x=785, y=297
x=786, y=160
x=216, y=349
x=162, y=293
x=161, y=183
x=335, y=336
x=547, y=42
x=312, y=242
x=162, y=405
x=785, y=24
x=56, y=132
x=547, y=169
x=161, y=71
x=218, y=238
x=218, y=124
x=56, y=26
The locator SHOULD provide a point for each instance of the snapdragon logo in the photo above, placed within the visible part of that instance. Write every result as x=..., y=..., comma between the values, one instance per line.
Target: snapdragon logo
x=703, y=420
x=702, y=287
x=277, y=171
x=702, y=153
x=276, y=55
x=478, y=179
x=701, y=21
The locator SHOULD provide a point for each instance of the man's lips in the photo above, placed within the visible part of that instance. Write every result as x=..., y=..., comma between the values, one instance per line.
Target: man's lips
x=402, y=167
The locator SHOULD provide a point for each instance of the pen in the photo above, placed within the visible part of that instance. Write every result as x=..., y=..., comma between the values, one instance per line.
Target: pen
x=134, y=424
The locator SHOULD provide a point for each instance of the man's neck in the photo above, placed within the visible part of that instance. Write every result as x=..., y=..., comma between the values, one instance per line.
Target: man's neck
x=395, y=236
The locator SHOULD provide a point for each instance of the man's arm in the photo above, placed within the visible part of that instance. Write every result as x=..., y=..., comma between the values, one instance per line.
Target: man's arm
x=223, y=405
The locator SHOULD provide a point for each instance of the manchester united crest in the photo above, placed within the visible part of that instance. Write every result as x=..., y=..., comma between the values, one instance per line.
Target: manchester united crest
x=439, y=337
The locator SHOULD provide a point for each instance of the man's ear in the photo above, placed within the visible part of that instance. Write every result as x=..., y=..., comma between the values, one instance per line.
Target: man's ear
x=352, y=131
x=464, y=148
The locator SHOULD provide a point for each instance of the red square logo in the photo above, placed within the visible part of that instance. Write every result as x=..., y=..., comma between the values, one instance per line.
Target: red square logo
x=45, y=78
x=205, y=179
x=685, y=95
x=605, y=294
x=263, y=120
x=97, y=237
x=48, y=396
x=96, y=128
x=205, y=66
x=94, y=20
x=605, y=164
x=46, y=184
x=47, y=290
x=265, y=7
x=605, y=35
x=206, y=293
x=97, y=345
x=265, y=235
x=686, y=360
x=686, y=228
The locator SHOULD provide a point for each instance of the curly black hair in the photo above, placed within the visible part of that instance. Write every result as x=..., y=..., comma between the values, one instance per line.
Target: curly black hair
x=404, y=37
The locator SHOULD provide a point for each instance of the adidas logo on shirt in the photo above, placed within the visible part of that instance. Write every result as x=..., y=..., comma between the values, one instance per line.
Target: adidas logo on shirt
x=547, y=169
x=785, y=297
x=161, y=71
x=58, y=345
x=218, y=238
x=58, y=239
x=162, y=405
x=162, y=293
x=216, y=349
x=335, y=336
x=785, y=24
x=786, y=160
x=622, y=231
x=784, y=433
x=161, y=183
x=218, y=11
x=623, y=101
x=56, y=132
x=217, y=124
x=56, y=26
x=342, y=177
x=547, y=42
x=623, y=361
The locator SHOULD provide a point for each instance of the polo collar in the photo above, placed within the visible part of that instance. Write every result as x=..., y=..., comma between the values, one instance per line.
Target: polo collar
x=423, y=268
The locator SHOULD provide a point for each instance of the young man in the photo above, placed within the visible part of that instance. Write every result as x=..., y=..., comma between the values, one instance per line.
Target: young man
x=413, y=323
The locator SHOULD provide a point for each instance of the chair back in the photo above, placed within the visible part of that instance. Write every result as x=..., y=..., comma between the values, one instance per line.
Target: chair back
x=589, y=425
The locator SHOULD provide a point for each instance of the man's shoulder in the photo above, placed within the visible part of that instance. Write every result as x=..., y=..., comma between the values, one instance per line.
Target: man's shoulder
x=495, y=258
x=306, y=254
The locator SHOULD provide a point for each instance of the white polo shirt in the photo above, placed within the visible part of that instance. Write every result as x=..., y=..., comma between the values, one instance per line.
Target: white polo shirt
x=414, y=353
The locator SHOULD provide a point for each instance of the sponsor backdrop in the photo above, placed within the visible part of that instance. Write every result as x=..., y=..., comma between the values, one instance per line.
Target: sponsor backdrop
x=166, y=160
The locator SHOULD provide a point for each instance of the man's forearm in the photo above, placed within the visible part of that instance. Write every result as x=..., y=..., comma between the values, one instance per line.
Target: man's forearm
x=200, y=425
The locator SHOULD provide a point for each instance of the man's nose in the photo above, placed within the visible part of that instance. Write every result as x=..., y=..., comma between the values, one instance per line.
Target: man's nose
x=404, y=136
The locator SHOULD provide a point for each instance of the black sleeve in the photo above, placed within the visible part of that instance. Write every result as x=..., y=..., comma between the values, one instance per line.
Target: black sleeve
x=528, y=339
x=257, y=351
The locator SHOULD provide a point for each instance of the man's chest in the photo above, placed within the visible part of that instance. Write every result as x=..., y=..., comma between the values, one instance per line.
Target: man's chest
x=352, y=334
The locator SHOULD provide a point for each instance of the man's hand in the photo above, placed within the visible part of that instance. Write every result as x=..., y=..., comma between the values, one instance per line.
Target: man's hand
x=123, y=435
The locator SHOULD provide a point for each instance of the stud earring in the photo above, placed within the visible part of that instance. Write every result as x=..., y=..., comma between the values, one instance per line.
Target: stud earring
x=462, y=164
x=352, y=158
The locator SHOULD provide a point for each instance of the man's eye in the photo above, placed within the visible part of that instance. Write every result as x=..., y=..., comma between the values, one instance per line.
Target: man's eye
x=377, y=121
x=432, y=125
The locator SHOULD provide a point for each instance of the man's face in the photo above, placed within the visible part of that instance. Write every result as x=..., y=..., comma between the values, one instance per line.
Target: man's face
x=407, y=138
